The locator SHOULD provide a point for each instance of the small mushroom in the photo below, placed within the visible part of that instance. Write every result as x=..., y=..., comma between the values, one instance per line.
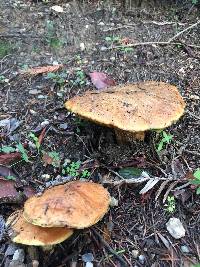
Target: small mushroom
x=76, y=204
x=131, y=109
x=21, y=231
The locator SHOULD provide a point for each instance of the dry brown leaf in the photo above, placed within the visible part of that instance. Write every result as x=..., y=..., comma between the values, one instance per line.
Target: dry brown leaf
x=7, y=159
x=43, y=69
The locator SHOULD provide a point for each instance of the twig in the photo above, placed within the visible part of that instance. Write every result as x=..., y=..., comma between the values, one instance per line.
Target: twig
x=193, y=115
x=169, y=42
x=159, y=23
x=192, y=152
x=181, y=32
x=19, y=36
x=122, y=261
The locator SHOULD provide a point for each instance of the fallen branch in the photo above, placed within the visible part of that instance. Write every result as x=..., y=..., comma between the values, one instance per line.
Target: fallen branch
x=151, y=182
x=169, y=42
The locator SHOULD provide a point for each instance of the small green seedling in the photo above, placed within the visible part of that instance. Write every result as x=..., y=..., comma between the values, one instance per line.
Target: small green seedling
x=5, y=48
x=51, y=37
x=23, y=152
x=80, y=78
x=126, y=49
x=19, y=147
x=112, y=39
x=36, y=141
x=85, y=174
x=7, y=149
x=194, y=2
x=3, y=79
x=58, y=78
x=10, y=177
x=170, y=206
x=196, y=181
x=72, y=169
x=166, y=139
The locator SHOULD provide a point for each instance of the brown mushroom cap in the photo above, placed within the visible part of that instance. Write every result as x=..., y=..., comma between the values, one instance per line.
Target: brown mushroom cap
x=134, y=107
x=25, y=233
x=75, y=204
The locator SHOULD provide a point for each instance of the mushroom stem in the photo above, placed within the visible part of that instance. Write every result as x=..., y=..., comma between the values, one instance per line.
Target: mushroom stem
x=127, y=137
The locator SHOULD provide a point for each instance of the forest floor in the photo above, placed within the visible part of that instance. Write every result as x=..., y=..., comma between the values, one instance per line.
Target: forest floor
x=87, y=37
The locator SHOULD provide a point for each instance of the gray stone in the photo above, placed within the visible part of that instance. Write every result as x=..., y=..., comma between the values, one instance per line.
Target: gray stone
x=88, y=257
x=185, y=249
x=175, y=228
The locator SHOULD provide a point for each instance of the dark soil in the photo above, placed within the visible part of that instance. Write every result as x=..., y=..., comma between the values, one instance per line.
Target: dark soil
x=32, y=34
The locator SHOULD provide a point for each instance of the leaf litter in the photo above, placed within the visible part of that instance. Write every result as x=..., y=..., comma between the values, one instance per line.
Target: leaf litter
x=134, y=221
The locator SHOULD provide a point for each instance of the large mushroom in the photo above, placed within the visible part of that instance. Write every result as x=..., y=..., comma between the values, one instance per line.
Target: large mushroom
x=23, y=232
x=76, y=204
x=131, y=109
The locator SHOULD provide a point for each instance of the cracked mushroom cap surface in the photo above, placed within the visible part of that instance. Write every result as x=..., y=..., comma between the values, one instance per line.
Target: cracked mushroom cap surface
x=25, y=233
x=75, y=204
x=132, y=107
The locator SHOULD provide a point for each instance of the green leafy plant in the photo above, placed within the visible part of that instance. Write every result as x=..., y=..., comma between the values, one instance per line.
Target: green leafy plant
x=80, y=78
x=7, y=149
x=194, y=2
x=5, y=48
x=126, y=49
x=23, y=152
x=10, y=177
x=36, y=141
x=130, y=172
x=117, y=40
x=165, y=139
x=58, y=78
x=112, y=39
x=3, y=79
x=51, y=37
x=72, y=169
x=196, y=181
x=85, y=174
x=171, y=205
x=18, y=147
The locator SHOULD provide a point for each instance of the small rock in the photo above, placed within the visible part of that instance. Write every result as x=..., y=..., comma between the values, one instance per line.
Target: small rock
x=44, y=123
x=141, y=259
x=195, y=97
x=46, y=177
x=19, y=255
x=34, y=92
x=10, y=250
x=103, y=48
x=82, y=46
x=185, y=249
x=135, y=253
x=35, y=263
x=42, y=96
x=63, y=126
x=114, y=202
x=175, y=228
x=88, y=257
x=101, y=23
x=58, y=9
x=33, y=112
